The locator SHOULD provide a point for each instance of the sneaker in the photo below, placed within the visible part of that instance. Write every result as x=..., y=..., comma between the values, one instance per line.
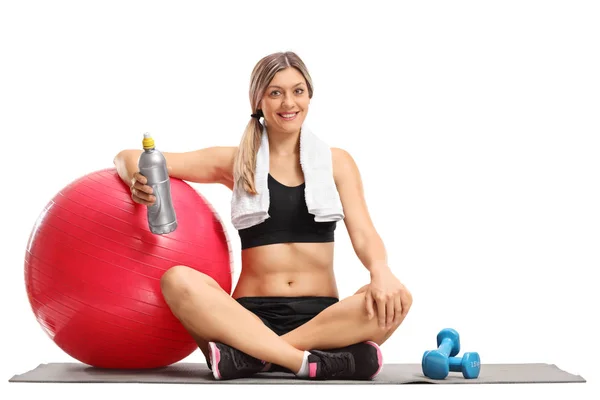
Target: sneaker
x=278, y=368
x=361, y=361
x=229, y=363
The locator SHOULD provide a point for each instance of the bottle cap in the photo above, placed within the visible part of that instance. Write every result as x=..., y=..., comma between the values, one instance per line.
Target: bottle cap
x=148, y=142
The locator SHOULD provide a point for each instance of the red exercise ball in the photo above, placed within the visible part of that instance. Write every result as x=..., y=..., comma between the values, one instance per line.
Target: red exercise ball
x=93, y=269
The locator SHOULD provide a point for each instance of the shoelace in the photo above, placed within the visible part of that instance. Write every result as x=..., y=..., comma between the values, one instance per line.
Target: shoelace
x=336, y=364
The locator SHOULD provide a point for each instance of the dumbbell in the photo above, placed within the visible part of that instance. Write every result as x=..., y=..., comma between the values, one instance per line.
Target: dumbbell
x=435, y=363
x=469, y=364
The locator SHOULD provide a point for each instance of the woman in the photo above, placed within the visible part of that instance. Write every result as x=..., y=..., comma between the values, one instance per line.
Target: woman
x=285, y=312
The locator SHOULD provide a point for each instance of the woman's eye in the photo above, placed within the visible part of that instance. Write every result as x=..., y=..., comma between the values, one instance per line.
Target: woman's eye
x=277, y=92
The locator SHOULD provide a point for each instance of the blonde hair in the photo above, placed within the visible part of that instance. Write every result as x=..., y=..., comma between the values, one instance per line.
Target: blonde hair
x=262, y=74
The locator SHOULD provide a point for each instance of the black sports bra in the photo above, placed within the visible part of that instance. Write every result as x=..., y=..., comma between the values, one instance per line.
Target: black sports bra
x=289, y=220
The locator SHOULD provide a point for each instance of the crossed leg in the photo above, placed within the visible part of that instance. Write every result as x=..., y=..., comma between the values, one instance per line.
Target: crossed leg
x=210, y=314
x=340, y=325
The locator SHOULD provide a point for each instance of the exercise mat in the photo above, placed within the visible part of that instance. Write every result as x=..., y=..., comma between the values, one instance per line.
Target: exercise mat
x=198, y=373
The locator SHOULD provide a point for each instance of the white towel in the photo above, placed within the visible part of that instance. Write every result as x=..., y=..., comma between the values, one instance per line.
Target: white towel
x=320, y=193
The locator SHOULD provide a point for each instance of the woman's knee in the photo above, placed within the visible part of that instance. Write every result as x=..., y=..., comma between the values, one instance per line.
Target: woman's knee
x=180, y=281
x=382, y=334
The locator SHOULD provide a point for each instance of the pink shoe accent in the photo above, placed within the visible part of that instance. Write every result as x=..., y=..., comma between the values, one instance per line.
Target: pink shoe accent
x=312, y=370
x=215, y=357
x=379, y=358
x=266, y=367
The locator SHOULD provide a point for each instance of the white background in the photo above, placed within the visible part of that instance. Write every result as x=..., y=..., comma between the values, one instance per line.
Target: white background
x=475, y=125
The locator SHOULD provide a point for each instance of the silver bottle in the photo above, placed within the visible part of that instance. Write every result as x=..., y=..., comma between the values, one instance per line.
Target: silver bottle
x=152, y=164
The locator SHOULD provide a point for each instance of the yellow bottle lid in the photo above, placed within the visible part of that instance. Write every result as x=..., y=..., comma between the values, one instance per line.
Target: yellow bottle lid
x=148, y=142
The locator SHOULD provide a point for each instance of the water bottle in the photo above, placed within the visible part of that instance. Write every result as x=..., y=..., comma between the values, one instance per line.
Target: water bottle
x=152, y=164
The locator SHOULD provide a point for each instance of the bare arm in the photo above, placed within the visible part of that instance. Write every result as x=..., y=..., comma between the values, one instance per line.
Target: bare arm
x=208, y=165
x=365, y=239
x=385, y=296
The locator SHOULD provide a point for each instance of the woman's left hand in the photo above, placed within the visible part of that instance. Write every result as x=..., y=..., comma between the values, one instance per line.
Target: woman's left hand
x=387, y=297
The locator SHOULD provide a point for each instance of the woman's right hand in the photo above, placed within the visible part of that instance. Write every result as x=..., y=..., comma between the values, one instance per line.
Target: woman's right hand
x=140, y=192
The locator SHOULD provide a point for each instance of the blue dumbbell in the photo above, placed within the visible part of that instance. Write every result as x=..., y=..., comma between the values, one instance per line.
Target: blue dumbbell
x=469, y=364
x=435, y=363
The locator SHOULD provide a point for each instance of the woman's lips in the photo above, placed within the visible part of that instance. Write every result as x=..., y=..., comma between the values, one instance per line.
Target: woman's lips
x=288, y=116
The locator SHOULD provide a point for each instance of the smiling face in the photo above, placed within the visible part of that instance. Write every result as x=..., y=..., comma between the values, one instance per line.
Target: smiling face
x=285, y=101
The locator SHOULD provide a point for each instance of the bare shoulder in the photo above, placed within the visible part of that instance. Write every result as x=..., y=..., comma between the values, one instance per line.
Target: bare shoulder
x=344, y=166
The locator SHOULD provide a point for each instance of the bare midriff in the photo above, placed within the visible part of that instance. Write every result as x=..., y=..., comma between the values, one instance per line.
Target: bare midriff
x=287, y=269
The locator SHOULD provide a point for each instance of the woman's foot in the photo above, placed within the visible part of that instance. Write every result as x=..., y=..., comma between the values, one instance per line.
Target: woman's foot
x=361, y=361
x=227, y=362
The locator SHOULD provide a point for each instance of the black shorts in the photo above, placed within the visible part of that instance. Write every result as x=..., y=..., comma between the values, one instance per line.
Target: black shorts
x=284, y=314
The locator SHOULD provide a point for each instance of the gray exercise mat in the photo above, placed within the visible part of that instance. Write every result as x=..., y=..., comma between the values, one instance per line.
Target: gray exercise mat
x=196, y=373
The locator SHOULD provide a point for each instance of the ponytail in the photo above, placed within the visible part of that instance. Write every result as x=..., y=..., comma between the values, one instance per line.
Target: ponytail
x=245, y=161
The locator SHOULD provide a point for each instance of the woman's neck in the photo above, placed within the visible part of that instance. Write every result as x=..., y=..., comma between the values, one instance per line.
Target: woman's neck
x=284, y=144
